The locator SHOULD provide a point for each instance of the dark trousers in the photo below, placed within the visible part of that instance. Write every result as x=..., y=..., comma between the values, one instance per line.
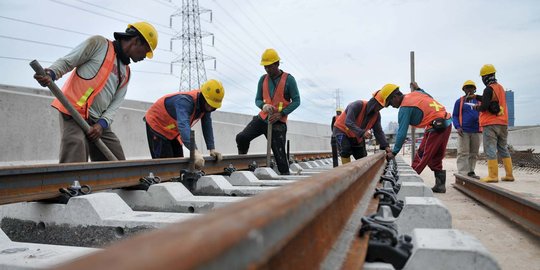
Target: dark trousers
x=350, y=146
x=431, y=151
x=258, y=127
x=161, y=147
x=333, y=144
x=75, y=147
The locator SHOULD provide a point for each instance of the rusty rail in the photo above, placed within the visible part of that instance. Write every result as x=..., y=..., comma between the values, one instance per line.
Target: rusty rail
x=294, y=227
x=518, y=207
x=38, y=182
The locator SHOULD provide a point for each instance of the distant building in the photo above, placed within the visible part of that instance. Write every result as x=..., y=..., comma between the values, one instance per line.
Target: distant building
x=510, y=104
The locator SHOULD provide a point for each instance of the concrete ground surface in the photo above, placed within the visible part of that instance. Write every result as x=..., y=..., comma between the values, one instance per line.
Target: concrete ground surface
x=512, y=246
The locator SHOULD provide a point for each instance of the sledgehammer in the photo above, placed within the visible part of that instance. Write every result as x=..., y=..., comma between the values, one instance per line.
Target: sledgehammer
x=76, y=116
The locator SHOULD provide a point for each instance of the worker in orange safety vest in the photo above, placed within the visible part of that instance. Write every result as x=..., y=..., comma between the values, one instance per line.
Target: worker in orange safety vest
x=170, y=118
x=97, y=88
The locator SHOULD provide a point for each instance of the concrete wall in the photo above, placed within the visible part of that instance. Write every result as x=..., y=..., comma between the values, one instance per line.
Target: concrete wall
x=30, y=132
x=523, y=138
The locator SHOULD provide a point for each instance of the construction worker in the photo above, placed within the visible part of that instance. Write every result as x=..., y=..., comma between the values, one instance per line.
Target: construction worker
x=97, y=88
x=354, y=125
x=465, y=119
x=170, y=118
x=333, y=143
x=420, y=110
x=277, y=97
x=494, y=122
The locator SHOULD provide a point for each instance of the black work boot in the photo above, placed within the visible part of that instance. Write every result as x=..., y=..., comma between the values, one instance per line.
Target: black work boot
x=440, y=182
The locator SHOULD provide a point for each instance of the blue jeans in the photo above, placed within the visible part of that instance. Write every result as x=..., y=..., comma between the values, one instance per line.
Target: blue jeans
x=495, y=140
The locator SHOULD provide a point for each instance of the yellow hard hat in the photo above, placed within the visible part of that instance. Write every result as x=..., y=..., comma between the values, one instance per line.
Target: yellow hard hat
x=213, y=92
x=468, y=82
x=269, y=57
x=487, y=69
x=382, y=95
x=149, y=33
x=339, y=109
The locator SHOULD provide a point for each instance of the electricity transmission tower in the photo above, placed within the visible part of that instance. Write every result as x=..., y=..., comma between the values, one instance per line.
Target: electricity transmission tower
x=193, y=72
x=338, y=99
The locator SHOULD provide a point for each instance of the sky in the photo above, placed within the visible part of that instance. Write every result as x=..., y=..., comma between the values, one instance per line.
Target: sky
x=352, y=45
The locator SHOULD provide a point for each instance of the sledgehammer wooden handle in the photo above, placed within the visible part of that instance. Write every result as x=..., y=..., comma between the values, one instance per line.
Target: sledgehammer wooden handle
x=76, y=116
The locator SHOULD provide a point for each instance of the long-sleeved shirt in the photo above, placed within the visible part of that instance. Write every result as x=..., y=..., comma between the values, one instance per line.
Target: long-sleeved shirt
x=87, y=57
x=353, y=110
x=181, y=108
x=409, y=116
x=469, y=116
x=291, y=93
x=485, y=99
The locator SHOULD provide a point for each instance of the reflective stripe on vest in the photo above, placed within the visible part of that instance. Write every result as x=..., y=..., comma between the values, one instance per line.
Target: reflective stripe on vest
x=341, y=121
x=429, y=106
x=81, y=92
x=487, y=118
x=278, y=101
x=161, y=122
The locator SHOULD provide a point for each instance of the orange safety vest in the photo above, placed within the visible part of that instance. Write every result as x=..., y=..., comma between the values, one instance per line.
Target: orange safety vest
x=341, y=119
x=81, y=92
x=461, y=102
x=160, y=121
x=278, y=101
x=429, y=106
x=487, y=118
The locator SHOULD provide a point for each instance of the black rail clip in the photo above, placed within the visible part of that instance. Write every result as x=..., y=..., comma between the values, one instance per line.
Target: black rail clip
x=388, y=197
x=189, y=178
x=145, y=182
x=76, y=189
x=229, y=170
x=253, y=166
x=384, y=244
x=393, y=182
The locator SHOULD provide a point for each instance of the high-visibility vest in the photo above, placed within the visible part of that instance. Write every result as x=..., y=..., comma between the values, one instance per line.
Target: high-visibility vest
x=81, y=92
x=160, y=121
x=429, y=106
x=341, y=121
x=278, y=101
x=487, y=118
x=461, y=102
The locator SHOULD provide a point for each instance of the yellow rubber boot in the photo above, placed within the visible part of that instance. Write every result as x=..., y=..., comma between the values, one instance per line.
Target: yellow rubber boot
x=493, y=172
x=507, y=162
x=345, y=160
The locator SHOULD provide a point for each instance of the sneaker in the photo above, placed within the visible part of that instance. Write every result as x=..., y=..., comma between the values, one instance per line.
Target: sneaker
x=473, y=175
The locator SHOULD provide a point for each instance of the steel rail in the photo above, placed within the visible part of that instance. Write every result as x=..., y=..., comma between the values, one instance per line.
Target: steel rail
x=38, y=182
x=293, y=227
x=518, y=207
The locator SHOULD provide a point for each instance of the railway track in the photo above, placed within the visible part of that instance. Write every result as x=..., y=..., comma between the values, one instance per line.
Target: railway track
x=302, y=225
x=38, y=182
x=520, y=208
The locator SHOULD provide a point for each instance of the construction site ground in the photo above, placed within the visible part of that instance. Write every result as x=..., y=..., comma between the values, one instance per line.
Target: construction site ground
x=512, y=246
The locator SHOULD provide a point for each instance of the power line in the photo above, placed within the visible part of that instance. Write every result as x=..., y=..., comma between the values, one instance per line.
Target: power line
x=68, y=47
x=122, y=13
x=97, y=13
x=56, y=28
x=46, y=61
x=37, y=42
x=253, y=38
x=279, y=39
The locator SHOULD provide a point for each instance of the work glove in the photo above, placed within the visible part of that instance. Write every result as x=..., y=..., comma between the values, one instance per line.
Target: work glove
x=199, y=160
x=217, y=155
x=274, y=117
x=45, y=80
x=367, y=134
x=267, y=108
